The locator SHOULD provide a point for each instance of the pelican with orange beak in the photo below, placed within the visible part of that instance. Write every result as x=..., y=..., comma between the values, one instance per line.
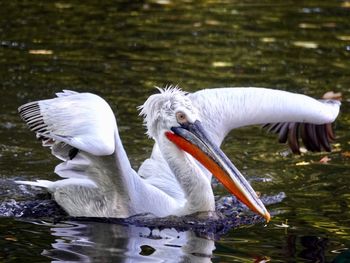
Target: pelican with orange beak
x=188, y=129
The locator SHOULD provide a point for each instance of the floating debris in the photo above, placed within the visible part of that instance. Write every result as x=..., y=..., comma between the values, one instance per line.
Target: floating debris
x=63, y=5
x=11, y=238
x=302, y=163
x=283, y=224
x=345, y=4
x=331, y=95
x=40, y=52
x=325, y=159
x=307, y=26
x=305, y=44
x=268, y=39
x=344, y=38
x=221, y=64
x=346, y=154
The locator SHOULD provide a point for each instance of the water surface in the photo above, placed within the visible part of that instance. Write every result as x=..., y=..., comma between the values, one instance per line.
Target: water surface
x=121, y=50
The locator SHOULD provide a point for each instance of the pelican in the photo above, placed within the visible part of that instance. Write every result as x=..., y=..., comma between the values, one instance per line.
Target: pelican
x=188, y=129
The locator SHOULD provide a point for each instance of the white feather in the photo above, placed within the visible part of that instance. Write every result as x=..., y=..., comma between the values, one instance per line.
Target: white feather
x=224, y=109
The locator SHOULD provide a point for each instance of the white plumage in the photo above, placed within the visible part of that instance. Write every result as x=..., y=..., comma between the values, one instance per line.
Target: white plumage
x=98, y=179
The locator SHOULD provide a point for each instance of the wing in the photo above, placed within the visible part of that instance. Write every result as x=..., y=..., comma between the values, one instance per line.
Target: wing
x=72, y=121
x=98, y=179
x=314, y=137
x=224, y=109
x=80, y=129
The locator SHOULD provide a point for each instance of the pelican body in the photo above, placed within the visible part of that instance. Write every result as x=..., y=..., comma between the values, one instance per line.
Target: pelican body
x=188, y=129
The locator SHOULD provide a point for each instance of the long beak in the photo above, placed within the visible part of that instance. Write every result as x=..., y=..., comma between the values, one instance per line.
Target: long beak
x=193, y=139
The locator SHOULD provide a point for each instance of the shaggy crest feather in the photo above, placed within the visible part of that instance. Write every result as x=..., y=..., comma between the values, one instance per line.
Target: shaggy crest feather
x=162, y=104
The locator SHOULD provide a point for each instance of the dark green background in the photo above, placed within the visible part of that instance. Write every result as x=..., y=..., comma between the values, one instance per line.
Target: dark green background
x=122, y=49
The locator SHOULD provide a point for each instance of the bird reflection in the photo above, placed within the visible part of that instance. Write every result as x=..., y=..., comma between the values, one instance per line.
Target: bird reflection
x=90, y=241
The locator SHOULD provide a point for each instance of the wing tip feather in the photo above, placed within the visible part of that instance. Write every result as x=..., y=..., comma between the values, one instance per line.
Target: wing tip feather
x=315, y=137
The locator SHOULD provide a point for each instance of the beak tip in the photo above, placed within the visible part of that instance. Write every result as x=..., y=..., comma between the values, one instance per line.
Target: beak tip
x=267, y=217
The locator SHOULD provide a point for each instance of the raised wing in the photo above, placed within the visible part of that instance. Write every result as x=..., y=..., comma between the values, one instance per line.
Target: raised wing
x=71, y=122
x=224, y=109
x=81, y=130
x=98, y=179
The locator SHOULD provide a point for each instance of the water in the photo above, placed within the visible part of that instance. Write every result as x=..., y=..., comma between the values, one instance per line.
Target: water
x=121, y=50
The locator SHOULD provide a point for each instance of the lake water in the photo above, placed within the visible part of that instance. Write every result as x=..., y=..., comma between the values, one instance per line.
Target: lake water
x=121, y=50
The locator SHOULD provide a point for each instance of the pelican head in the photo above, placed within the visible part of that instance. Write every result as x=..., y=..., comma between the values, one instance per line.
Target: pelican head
x=161, y=111
x=171, y=113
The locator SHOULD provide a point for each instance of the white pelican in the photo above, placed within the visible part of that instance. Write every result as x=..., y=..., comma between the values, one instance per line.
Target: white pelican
x=98, y=179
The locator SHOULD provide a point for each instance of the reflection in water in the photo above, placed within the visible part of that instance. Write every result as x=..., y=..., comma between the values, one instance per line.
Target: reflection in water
x=313, y=248
x=88, y=241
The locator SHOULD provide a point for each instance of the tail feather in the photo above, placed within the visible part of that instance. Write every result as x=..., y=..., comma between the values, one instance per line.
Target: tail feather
x=40, y=183
x=52, y=186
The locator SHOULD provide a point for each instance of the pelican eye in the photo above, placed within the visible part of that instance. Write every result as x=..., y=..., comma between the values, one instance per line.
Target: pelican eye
x=181, y=117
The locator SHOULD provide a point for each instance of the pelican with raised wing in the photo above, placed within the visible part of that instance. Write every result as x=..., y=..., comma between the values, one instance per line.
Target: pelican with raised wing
x=188, y=129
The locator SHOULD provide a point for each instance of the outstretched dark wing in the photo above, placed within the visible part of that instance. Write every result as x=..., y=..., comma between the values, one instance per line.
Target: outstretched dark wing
x=315, y=137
